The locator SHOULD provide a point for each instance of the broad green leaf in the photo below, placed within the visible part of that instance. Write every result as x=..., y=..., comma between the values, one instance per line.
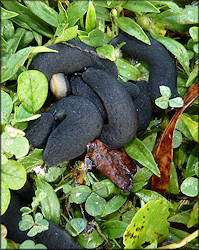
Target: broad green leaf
x=62, y=20
x=114, y=204
x=95, y=204
x=132, y=28
x=21, y=115
x=176, y=102
x=43, y=11
x=90, y=241
x=141, y=178
x=26, y=39
x=183, y=129
x=100, y=189
x=4, y=159
x=32, y=90
x=140, y=6
x=7, y=29
x=173, y=187
x=6, y=106
x=182, y=217
x=26, y=222
x=13, y=175
x=194, y=33
x=39, y=195
x=96, y=38
x=176, y=48
x=107, y=51
x=191, y=125
x=149, y=195
x=194, y=216
x=150, y=140
x=192, y=160
x=139, y=152
x=30, y=244
x=53, y=173
x=91, y=17
x=6, y=14
x=162, y=102
x=13, y=63
x=14, y=142
x=67, y=34
x=76, y=226
x=26, y=210
x=110, y=186
x=26, y=19
x=177, y=139
x=5, y=196
x=76, y=11
x=102, y=13
x=67, y=188
x=32, y=160
x=114, y=229
x=50, y=204
x=79, y=194
x=165, y=91
x=146, y=226
x=195, y=48
x=192, y=76
x=127, y=70
x=189, y=187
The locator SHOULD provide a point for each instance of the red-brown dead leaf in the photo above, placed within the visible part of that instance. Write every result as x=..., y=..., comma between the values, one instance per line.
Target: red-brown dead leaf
x=114, y=164
x=163, y=154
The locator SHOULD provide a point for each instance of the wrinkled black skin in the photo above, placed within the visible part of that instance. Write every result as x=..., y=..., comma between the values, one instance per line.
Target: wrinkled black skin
x=53, y=238
x=125, y=108
x=162, y=65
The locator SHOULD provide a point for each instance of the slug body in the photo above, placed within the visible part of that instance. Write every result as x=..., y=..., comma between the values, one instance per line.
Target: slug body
x=98, y=105
x=162, y=66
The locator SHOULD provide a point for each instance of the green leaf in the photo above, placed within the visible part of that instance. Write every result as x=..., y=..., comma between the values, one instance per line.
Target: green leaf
x=139, y=152
x=26, y=19
x=176, y=48
x=79, y=194
x=127, y=70
x=53, y=173
x=162, y=102
x=32, y=160
x=67, y=188
x=26, y=223
x=29, y=244
x=177, y=139
x=192, y=126
x=114, y=204
x=13, y=175
x=91, y=17
x=173, y=187
x=176, y=102
x=21, y=115
x=189, y=187
x=193, y=75
x=6, y=14
x=25, y=210
x=76, y=11
x=140, y=6
x=150, y=140
x=67, y=34
x=132, y=28
x=90, y=241
x=149, y=195
x=100, y=189
x=182, y=217
x=191, y=162
x=39, y=195
x=107, y=51
x=6, y=106
x=13, y=63
x=95, y=204
x=76, y=226
x=141, y=179
x=165, y=91
x=114, y=228
x=32, y=90
x=5, y=196
x=50, y=204
x=146, y=226
x=194, y=216
x=7, y=29
x=43, y=11
x=193, y=31
x=96, y=38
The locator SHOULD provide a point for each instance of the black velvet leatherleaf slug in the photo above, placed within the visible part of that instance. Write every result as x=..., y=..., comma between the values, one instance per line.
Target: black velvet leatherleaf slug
x=97, y=104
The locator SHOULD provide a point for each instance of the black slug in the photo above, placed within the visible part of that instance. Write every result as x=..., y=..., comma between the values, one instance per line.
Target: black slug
x=162, y=65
